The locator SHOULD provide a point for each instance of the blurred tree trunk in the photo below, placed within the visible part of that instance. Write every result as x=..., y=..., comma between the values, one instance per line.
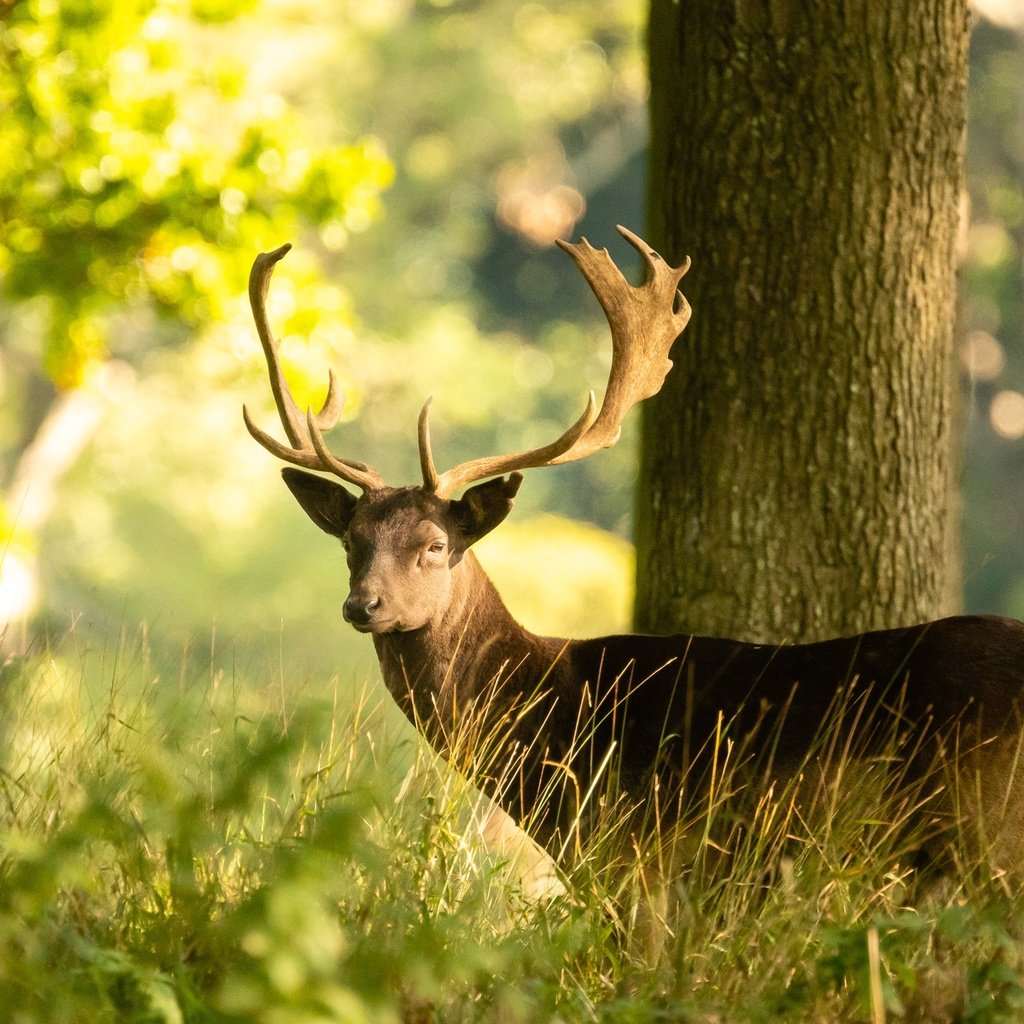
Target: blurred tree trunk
x=798, y=471
x=69, y=423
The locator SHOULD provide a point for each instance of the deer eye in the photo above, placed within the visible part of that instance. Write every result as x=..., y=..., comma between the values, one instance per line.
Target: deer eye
x=436, y=547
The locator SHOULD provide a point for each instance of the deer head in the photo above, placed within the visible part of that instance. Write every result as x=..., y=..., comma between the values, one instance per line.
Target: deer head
x=404, y=544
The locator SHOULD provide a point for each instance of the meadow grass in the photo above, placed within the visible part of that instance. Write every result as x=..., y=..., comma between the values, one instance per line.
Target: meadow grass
x=199, y=846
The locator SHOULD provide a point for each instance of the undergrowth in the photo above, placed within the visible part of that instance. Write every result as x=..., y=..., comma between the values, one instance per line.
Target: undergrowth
x=213, y=848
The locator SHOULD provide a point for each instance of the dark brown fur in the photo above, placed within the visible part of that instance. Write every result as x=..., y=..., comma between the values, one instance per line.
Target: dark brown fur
x=448, y=647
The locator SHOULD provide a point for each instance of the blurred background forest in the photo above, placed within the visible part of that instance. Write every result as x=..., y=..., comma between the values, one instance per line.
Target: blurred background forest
x=423, y=155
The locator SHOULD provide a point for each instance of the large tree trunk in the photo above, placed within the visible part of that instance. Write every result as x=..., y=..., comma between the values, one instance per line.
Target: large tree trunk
x=798, y=470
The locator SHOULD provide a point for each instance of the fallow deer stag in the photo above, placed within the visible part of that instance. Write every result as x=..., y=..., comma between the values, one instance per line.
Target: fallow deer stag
x=647, y=712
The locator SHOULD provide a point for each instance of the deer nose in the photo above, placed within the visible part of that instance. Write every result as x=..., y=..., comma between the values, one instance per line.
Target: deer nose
x=359, y=609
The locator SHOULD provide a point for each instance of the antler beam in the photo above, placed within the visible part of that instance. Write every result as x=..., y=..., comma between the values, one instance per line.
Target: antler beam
x=306, y=446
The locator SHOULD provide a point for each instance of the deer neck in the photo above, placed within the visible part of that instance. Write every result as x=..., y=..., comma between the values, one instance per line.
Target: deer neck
x=457, y=657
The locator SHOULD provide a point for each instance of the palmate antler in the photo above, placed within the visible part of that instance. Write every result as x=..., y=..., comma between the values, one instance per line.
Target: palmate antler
x=645, y=320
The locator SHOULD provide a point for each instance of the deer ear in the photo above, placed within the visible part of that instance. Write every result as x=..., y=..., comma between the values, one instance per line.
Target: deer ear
x=328, y=504
x=483, y=507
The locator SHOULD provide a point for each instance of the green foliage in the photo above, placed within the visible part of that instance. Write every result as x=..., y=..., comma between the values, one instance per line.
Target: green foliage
x=139, y=154
x=220, y=848
x=990, y=985
x=212, y=861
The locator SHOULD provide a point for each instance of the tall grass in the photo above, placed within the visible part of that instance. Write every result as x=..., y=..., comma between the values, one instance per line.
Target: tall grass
x=207, y=847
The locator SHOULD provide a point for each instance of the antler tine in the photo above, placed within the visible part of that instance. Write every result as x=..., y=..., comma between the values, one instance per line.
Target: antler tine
x=304, y=432
x=358, y=473
x=644, y=320
x=431, y=481
x=296, y=456
x=652, y=259
x=330, y=411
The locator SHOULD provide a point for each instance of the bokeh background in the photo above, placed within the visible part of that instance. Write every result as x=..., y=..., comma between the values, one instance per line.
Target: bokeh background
x=423, y=156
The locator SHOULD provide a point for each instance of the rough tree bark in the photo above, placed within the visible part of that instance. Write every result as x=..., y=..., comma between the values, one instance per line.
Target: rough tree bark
x=798, y=469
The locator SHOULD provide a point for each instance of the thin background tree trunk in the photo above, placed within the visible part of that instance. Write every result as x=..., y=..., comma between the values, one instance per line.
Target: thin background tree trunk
x=798, y=470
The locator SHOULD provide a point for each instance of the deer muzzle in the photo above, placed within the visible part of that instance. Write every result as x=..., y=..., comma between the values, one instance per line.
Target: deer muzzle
x=364, y=612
